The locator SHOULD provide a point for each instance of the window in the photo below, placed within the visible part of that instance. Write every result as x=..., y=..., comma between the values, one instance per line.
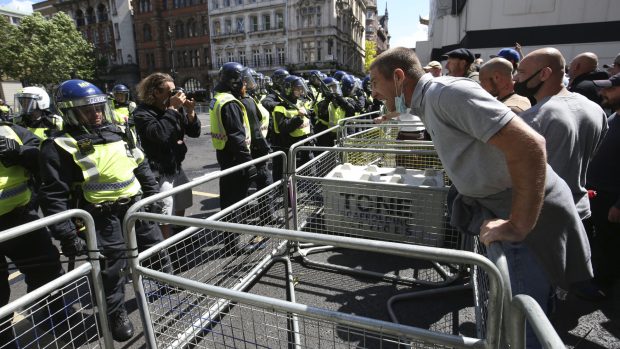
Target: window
x=281, y=57
x=240, y=25
x=308, y=53
x=242, y=58
x=90, y=16
x=253, y=23
x=318, y=51
x=216, y=4
x=217, y=30
x=205, y=26
x=218, y=59
x=96, y=36
x=192, y=84
x=179, y=30
x=239, y=2
x=256, y=58
x=146, y=32
x=114, y=11
x=106, y=35
x=279, y=20
x=117, y=34
x=79, y=18
x=164, y=5
x=119, y=56
x=267, y=22
x=268, y=57
x=369, y=14
x=227, y=26
x=226, y=3
x=150, y=61
x=231, y=56
x=205, y=54
x=191, y=28
x=102, y=13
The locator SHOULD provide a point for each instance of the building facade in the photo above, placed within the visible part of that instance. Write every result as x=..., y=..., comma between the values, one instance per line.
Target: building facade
x=108, y=25
x=172, y=36
x=298, y=35
x=377, y=26
x=486, y=26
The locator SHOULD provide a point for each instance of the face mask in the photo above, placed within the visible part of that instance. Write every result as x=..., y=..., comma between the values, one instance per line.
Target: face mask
x=399, y=102
x=522, y=89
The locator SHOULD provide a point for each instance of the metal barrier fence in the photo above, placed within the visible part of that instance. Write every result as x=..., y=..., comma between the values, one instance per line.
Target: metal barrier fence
x=61, y=313
x=525, y=308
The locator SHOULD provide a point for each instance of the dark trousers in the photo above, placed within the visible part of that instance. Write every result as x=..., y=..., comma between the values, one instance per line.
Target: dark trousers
x=34, y=255
x=606, y=239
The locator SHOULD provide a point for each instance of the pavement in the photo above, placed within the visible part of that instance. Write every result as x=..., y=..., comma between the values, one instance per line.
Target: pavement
x=581, y=324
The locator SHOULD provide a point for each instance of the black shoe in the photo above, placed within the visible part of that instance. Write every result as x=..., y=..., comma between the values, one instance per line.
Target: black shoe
x=120, y=325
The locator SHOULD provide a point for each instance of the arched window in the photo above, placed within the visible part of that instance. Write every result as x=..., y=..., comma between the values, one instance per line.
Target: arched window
x=90, y=16
x=179, y=30
x=192, y=28
x=102, y=13
x=79, y=18
x=164, y=4
x=146, y=32
x=192, y=84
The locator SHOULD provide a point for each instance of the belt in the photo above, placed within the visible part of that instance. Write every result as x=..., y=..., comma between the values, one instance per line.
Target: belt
x=110, y=207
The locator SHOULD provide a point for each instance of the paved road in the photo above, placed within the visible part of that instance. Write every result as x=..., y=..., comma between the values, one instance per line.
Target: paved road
x=355, y=295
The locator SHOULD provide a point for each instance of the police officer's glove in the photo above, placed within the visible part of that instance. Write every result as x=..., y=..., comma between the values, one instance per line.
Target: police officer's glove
x=74, y=246
x=155, y=207
x=9, y=148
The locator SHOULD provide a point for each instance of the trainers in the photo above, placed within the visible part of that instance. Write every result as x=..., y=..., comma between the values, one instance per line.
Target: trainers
x=120, y=325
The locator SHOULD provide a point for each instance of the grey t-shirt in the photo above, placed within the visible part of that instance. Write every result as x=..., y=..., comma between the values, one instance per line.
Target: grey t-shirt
x=461, y=117
x=573, y=127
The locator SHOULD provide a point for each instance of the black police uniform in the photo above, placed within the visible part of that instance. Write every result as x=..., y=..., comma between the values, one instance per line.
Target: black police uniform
x=34, y=254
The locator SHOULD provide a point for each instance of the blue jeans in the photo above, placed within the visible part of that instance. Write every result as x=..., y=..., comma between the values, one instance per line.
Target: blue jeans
x=528, y=277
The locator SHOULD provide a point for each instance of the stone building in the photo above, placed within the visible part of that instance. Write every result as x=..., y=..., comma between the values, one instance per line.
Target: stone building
x=377, y=26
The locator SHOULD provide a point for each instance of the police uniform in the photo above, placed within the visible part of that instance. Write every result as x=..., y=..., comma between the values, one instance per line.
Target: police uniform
x=5, y=111
x=231, y=137
x=290, y=127
x=42, y=127
x=34, y=254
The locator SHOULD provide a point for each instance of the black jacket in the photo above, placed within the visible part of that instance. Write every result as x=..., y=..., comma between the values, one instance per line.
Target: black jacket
x=162, y=134
x=260, y=146
x=60, y=173
x=583, y=85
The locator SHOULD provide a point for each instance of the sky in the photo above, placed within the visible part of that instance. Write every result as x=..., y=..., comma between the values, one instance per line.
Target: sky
x=403, y=25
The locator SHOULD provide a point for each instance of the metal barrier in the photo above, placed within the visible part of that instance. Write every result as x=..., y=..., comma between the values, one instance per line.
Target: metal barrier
x=61, y=313
x=209, y=256
x=255, y=320
x=525, y=308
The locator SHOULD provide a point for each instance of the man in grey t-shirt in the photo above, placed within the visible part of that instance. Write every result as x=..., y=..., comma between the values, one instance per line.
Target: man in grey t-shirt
x=573, y=126
x=507, y=192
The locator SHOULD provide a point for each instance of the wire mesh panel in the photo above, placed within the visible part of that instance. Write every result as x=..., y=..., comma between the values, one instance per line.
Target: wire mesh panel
x=248, y=326
x=64, y=319
x=480, y=284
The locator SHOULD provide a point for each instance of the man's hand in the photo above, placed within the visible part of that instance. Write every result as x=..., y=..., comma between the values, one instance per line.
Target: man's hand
x=614, y=214
x=190, y=105
x=155, y=207
x=73, y=246
x=177, y=100
x=493, y=230
x=386, y=117
x=9, y=148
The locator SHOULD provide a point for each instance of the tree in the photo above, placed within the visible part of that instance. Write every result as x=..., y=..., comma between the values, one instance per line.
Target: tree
x=46, y=52
x=7, y=32
x=371, y=53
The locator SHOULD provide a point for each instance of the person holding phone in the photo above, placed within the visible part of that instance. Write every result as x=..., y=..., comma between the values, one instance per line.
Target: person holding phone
x=163, y=118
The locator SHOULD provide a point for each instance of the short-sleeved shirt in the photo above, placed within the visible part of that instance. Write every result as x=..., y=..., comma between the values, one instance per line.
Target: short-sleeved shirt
x=517, y=103
x=461, y=117
x=573, y=127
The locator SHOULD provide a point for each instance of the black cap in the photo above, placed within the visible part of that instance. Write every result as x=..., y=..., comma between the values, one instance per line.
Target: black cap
x=461, y=53
x=611, y=82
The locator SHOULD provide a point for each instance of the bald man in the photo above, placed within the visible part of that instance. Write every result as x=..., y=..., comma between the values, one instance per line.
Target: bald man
x=572, y=125
x=496, y=79
x=582, y=71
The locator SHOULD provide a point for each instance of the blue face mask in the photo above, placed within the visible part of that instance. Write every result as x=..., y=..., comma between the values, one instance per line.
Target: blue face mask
x=399, y=101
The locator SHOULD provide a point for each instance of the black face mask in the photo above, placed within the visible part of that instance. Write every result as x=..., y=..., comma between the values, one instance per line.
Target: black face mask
x=529, y=92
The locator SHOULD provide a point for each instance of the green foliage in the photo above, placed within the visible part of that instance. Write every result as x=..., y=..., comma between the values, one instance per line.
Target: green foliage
x=371, y=53
x=45, y=52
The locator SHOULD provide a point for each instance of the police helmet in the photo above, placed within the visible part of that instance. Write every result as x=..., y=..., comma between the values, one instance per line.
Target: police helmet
x=295, y=88
x=349, y=86
x=339, y=74
x=251, y=79
x=278, y=77
x=315, y=78
x=30, y=99
x=120, y=93
x=366, y=84
x=233, y=76
x=81, y=103
x=333, y=85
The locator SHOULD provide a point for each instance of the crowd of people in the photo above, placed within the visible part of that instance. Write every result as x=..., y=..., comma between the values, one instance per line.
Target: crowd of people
x=529, y=152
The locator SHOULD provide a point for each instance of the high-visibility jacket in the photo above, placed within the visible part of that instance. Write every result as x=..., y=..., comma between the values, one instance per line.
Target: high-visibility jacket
x=122, y=113
x=302, y=130
x=336, y=113
x=107, y=169
x=264, y=118
x=14, y=190
x=41, y=132
x=218, y=133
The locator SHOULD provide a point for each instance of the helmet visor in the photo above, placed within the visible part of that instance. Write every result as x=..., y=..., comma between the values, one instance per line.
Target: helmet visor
x=335, y=89
x=248, y=80
x=26, y=103
x=90, y=112
x=121, y=97
x=300, y=89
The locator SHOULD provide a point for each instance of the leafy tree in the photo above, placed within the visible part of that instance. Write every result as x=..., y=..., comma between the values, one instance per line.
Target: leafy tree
x=371, y=53
x=45, y=52
x=7, y=32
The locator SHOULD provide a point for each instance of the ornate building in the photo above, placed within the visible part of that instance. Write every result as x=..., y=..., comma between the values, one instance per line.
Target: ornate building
x=297, y=35
x=108, y=25
x=173, y=36
x=377, y=26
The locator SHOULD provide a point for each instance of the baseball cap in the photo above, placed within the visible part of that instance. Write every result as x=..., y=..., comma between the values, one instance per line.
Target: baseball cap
x=461, y=53
x=433, y=64
x=611, y=82
x=509, y=54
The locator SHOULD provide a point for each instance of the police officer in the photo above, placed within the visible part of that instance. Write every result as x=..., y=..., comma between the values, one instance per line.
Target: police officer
x=5, y=111
x=91, y=166
x=230, y=131
x=34, y=254
x=123, y=107
x=32, y=110
x=291, y=122
x=372, y=104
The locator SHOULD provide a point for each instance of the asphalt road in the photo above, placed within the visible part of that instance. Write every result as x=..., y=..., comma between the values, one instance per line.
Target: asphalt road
x=581, y=324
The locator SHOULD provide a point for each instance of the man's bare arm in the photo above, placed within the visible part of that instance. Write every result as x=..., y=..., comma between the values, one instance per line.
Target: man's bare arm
x=526, y=157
